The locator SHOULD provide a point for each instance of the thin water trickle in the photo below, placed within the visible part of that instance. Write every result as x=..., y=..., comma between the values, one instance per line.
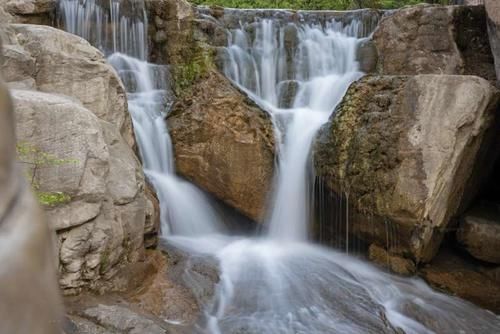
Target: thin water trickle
x=280, y=283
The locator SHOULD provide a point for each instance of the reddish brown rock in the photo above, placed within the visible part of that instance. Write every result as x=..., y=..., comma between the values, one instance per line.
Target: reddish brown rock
x=225, y=144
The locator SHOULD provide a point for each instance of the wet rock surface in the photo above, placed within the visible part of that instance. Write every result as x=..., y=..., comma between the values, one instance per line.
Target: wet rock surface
x=418, y=174
x=225, y=144
x=160, y=302
x=394, y=263
x=479, y=233
x=456, y=274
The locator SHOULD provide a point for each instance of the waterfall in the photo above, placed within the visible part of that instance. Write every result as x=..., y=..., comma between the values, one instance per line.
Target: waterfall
x=299, y=73
x=121, y=34
x=110, y=25
x=280, y=284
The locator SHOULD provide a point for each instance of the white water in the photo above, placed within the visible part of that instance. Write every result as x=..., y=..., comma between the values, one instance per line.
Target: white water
x=185, y=210
x=279, y=284
x=319, y=64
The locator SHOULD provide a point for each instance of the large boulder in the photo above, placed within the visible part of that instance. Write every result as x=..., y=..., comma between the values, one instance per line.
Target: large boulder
x=403, y=150
x=493, y=11
x=28, y=281
x=53, y=61
x=225, y=144
x=95, y=180
x=428, y=39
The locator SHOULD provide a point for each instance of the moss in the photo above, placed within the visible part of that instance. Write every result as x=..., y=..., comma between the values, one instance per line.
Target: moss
x=104, y=261
x=36, y=159
x=196, y=66
x=52, y=198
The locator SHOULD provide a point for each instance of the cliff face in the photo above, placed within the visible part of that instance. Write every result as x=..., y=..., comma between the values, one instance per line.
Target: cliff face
x=75, y=142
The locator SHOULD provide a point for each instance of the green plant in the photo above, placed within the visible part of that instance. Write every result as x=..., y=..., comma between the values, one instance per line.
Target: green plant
x=36, y=159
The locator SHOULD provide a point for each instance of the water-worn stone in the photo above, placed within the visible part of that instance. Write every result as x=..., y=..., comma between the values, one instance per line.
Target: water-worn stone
x=479, y=233
x=28, y=283
x=225, y=144
x=404, y=150
x=465, y=279
x=493, y=12
x=396, y=264
x=428, y=39
x=101, y=224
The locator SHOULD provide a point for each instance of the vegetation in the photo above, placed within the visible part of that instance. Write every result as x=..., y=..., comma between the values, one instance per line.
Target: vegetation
x=315, y=4
x=37, y=159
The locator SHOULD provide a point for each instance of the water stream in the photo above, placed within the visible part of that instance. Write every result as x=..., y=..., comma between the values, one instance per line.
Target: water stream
x=278, y=283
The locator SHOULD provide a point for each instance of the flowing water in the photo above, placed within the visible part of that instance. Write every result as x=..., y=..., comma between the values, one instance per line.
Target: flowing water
x=277, y=283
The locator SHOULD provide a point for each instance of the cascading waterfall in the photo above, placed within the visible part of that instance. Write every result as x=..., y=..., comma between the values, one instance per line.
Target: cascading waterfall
x=299, y=74
x=110, y=25
x=185, y=210
x=278, y=284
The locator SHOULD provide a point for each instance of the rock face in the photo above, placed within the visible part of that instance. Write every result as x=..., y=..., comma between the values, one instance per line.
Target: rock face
x=53, y=61
x=102, y=223
x=478, y=284
x=434, y=40
x=396, y=264
x=28, y=282
x=73, y=123
x=30, y=11
x=493, y=11
x=479, y=233
x=225, y=144
x=403, y=149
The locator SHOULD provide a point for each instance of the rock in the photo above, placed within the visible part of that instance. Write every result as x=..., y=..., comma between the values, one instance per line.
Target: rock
x=30, y=11
x=100, y=224
x=493, y=12
x=225, y=144
x=287, y=90
x=28, y=282
x=62, y=63
x=403, y=149
x=152, y=223
x=367, y=56
x=479, y=233
x=155, y=300
x=396, y=264
x=164, y=295
x=467, y=2
x=172, y=21
x=123, y=320
x=455, y=275
x=29, y=7
x=427, y=39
